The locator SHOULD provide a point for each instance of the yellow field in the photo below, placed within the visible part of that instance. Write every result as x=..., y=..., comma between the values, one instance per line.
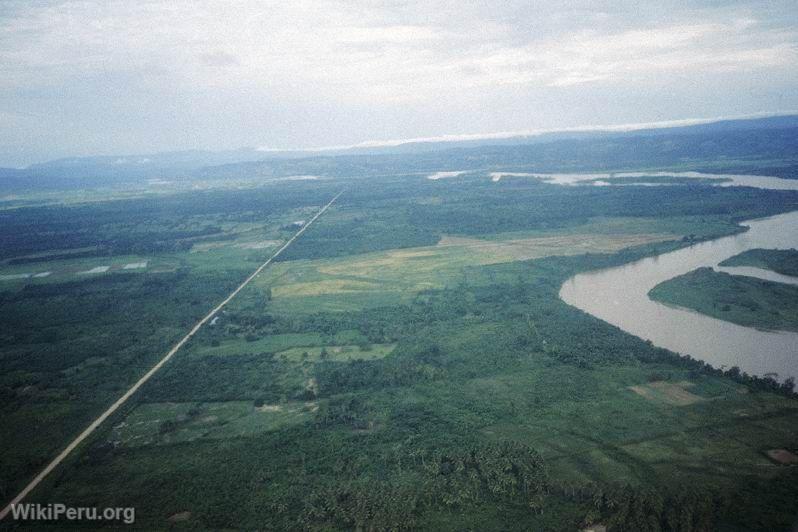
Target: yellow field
x=400, y=273
x=337, y=353
x=672, y=393
x=332, y=286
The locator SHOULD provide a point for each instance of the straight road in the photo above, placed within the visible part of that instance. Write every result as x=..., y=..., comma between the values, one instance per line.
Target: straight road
x=119, y=402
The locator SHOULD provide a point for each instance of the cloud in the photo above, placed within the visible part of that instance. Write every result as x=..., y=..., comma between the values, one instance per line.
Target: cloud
x=591, y=56
x=303, y=71
x=218, y=59
x=399, y=35
x=363, y=51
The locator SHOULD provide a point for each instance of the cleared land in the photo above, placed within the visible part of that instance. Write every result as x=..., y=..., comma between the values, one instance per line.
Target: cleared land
x=675, y=394
x=172, y=423
x=457, y=391
x=591, y=422
x=782, y=456
x=392, y=276
x=139, y=383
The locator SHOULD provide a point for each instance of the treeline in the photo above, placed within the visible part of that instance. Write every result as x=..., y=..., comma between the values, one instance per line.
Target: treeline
x=518, y=302
x=784, y=261
x=613, y=152
x=369, y=221
x=129, y=225
x=377, y=214
x=70, y=348
x=482, y=208
x=394, y=443
x=637, y=509
x=248, y=376
x=376, y=324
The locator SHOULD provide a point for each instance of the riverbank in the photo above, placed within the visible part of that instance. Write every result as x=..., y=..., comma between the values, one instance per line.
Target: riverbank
x=746, y=301
x=619, y=296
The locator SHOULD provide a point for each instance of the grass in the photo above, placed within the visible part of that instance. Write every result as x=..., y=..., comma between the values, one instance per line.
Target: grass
x=172, y=423
x=432, y=351
x=589, y=427
x=676, y=394
x=342, y=353
x=69, y=269
x=395, y=276
x=268, y=344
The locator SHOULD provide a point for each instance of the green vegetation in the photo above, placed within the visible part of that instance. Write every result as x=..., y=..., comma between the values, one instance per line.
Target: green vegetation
x=739, y=299
x=407, y=364
x=73, y=341
x=500, y=407
x=172, y=423
x=783, y=261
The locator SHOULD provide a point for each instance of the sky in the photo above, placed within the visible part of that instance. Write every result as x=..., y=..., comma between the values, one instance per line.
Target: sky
x=122, y=77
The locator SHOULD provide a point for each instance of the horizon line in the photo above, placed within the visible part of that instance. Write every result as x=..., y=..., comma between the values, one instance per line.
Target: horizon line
x=502, y=135
x=453, y=137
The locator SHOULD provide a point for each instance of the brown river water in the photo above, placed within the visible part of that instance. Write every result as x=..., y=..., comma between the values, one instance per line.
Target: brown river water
x=619, y=296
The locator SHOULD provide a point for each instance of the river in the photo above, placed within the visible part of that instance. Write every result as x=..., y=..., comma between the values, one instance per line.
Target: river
x=620, y=296
x=721, y=180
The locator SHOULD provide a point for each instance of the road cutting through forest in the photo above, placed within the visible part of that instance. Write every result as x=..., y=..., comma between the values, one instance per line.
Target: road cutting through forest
x=133, y=389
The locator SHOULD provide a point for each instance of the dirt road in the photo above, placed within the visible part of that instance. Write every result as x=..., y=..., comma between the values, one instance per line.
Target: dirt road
x=119, y=402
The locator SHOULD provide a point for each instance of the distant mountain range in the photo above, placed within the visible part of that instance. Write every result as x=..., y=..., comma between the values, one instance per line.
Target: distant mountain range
x=772, y=137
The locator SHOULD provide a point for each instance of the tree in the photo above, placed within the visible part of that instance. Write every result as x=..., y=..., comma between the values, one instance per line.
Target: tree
x=788, y=386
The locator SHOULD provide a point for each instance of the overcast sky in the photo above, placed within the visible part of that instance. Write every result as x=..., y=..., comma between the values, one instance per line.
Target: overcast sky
x=80, y=78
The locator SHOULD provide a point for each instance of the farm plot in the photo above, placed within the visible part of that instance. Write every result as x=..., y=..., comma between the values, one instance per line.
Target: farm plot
x=168, y=423
x=396, y=276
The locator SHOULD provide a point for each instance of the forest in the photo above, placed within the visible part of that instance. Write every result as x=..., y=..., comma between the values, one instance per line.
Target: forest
x=399, y=266
x=407, y=363
x=783, y=261
x=739, y=299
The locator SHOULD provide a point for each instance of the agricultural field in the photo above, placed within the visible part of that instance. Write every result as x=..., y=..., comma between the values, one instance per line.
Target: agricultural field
x=406, y=363
x=74, y=339
x=399, y=275
x=397, y=266
x=497, y=360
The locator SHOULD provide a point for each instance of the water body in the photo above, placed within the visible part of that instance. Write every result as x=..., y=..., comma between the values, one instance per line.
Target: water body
x=620, y=296
x=723, y=180
x=444, y=175
x=759, y=273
